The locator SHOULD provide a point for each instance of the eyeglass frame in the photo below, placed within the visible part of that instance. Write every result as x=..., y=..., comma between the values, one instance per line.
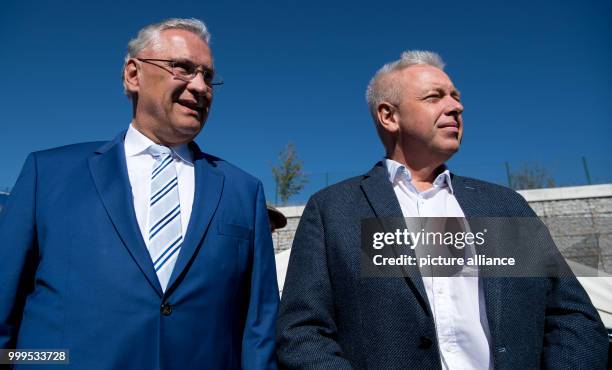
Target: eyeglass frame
x=199, y=68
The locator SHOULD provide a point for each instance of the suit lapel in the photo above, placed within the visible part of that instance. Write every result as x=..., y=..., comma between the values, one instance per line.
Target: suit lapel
x=109, y=171
x=472, y=202
x=208, y=188
x=379, y=193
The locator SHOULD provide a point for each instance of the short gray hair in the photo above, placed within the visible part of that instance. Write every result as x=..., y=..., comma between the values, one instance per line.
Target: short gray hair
x=150, y=35
x=379, y=90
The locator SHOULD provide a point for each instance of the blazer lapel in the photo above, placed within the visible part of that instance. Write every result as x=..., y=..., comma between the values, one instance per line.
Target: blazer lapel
x=109, y=171
x=379, y=193
x=473, y=204
x=208, y=188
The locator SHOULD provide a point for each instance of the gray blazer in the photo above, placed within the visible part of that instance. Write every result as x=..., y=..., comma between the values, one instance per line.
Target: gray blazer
x=331, y=318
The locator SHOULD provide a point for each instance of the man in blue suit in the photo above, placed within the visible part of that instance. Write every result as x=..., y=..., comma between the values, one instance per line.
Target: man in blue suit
x=143, y=252
x=334, y=317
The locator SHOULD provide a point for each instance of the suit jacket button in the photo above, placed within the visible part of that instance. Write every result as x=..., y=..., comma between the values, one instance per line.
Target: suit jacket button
x=166, y=309
x=425, y=343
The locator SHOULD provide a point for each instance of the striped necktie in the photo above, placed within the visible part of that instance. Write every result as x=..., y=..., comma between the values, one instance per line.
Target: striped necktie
x=165, y=232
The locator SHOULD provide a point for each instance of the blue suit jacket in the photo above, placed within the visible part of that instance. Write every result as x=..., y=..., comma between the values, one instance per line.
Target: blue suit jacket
x=332, y=318
x=75, y=272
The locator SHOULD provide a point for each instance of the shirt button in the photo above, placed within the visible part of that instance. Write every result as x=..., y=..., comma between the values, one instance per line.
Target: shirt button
x=166, y=309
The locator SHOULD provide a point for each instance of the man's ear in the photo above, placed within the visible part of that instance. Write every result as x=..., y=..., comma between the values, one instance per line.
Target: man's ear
x=131, y=77
x=387, y=117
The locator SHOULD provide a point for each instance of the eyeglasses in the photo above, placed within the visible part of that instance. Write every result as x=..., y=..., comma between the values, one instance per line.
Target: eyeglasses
x=185, y=70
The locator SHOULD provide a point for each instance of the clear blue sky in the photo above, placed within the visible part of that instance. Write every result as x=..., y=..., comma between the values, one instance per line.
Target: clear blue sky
x=535, y=78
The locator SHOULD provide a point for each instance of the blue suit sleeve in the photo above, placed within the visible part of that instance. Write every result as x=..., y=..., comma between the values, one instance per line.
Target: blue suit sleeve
x=18, y=252
x=258, y=343
x=307, y=331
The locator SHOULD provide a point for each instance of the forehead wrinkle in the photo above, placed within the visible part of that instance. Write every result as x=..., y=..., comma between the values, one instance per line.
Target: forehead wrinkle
x=430, y=75
x=177, y=41
x=181, y=44
x=445, y=87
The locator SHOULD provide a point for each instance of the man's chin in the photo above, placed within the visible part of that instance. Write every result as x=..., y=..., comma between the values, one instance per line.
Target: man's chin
x=187, y=130
x=447, y=144
x=451, y=151
x=448, y=150
x=189, y=124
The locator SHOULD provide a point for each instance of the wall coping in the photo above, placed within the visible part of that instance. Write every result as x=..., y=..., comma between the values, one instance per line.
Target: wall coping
x=566, y=193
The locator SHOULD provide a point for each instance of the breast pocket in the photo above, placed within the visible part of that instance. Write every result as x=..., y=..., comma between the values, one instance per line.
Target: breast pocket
x=235, y=231
x=233, y=240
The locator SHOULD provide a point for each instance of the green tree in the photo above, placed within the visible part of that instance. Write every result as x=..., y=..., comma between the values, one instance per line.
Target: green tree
x=531, y=176
x=288, y=174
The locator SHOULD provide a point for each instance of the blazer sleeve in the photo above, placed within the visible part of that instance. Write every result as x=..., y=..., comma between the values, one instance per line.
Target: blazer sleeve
x=306, y=329
x=258, y=344
x=18, y=252
x=574, y=336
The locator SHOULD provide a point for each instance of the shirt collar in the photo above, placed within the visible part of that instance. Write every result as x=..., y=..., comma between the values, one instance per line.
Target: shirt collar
x=137, y=143
x=397, y=171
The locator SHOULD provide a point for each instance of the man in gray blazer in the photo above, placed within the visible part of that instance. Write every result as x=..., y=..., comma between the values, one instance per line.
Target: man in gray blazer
x=332, y=317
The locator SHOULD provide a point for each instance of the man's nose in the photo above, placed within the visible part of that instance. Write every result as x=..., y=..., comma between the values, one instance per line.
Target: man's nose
x=454, y=106
x=199, y=85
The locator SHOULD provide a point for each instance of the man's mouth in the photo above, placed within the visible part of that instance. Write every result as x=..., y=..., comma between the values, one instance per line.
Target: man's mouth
x=449, y=126
x=192, y=106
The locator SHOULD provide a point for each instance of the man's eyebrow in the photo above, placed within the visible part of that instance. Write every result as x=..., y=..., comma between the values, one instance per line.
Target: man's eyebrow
x=442, y=89
x=185, y=60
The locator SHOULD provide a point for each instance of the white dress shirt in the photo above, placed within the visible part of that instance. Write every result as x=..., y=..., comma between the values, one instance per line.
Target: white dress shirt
x=457, y=303
x=140, y=164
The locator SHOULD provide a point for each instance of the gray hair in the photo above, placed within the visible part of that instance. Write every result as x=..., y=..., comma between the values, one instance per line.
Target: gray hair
x=380, y=90
x=149, y=35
